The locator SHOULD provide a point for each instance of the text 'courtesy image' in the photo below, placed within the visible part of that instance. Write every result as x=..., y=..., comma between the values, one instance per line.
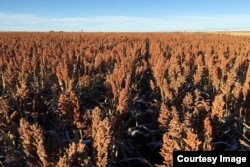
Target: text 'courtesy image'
x=211, y=158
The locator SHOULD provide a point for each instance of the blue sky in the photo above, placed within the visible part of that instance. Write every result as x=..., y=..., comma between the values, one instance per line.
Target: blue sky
x=124, y=15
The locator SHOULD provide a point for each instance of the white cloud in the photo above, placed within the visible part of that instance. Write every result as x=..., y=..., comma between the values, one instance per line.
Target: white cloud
x=217, y=22
x=27, y=22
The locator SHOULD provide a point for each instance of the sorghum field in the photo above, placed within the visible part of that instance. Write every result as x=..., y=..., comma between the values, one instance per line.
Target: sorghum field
x=121, y=99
